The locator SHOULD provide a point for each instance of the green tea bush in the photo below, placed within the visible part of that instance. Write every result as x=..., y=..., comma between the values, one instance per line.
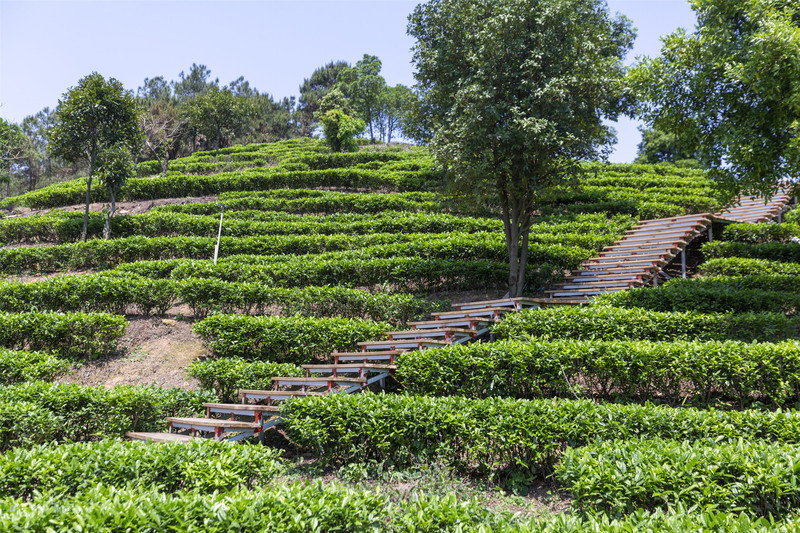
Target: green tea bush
x=66, y=470
x=740, y=266
x=759, y=233
x=619, y=477
x=91, y=413
x=697, y=295
x=25, y=424
x=500, y=438
x=72, y=335
x=224, y=377
x=18, y=366
x=297, y=507
x=671, y=372
x=610, y=323
x=788, y=252
x=295, y=340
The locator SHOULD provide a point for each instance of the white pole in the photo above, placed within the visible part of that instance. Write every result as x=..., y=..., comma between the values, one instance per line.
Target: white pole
x=219, y=234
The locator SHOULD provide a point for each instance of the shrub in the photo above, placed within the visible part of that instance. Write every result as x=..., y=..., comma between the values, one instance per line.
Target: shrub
x=295, y=340
x=775, y=251
x=25, y=423
x=740, y=266
x=759, y=233
x=18, y=366
x=224, y=377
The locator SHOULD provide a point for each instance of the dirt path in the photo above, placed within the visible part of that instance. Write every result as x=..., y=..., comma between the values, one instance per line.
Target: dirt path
x=153, y=351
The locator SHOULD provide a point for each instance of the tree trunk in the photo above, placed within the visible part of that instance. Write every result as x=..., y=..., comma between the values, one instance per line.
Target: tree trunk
x=516, y=223
x=107, y=228
x=8, y=184
x=164, y=166
x=88, y=199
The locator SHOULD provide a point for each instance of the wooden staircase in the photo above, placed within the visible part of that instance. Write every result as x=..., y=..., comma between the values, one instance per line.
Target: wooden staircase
x=348, y=372
x=641, y=256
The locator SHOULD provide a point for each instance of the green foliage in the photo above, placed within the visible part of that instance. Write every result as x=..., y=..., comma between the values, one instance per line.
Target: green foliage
x=759, y=233
x=672, y=372
x=218, y=114
x=620, y=477
x=295, y=340
x=25, y=423
x=18, y=366
x=341, y=130
x=708, y=296
x=729, y=88
x=740, y=266
x=775, y=251
x=89, y=413
x=498, y=437
x=658, y=146
x=68, y=470
x=611, y=323
x=71, y=335
x=224, y=377
x=515, y=95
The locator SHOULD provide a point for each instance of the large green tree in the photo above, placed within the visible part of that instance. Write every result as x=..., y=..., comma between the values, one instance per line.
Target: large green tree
x=514, y=92
x=659, y=146
x=364, y=86
x=91, y=117
x=732, y=88
x=219, y=115
x=313, y=90
x=12, y=147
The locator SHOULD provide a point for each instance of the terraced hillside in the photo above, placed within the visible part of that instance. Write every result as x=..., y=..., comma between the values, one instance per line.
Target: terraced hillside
x=646, y=400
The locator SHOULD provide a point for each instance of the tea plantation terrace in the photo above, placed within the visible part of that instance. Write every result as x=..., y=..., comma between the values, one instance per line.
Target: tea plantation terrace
x=648, y=248
x=347, y=373
x=638, y=259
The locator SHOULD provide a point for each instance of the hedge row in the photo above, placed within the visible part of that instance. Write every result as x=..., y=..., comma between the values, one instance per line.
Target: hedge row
x=298, y=507
x=121, y=293
x=295, y=340
x=703, y=297
x=72, y=335
x=402, y=273
x=610, y=323
x=224, y=377
x=619, y=477
x=183, y=185
x=67, y=470
x=671, y=372
x=499, y=437
x=759, y=233
x=251, y=223
x=740, y=266
x=19, y=366
x=775, y=251
x=65, y=412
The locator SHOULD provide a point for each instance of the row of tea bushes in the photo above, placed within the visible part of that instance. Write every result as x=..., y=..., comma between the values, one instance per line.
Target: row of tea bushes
x=759, y=233
x=671, y=372
x=66, y=470
x=704, y=297
x=497, y=438
x=71, y=335
x=18, y=366
x=224, y=377
x=296, y=340
x=124, y=293
x=609, y=323
x=620, y=477
x=788, y=252
x=68, y=412
x=741, y=266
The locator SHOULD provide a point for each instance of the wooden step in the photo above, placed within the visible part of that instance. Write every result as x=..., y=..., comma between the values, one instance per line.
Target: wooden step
x=327, y=382
x=610, y=277
x=586, y=290
x=409, y=344
x=682, y=217
x=666, y=226
x=517, y=303
x=274, y=395
x=158, y=437
x=431, y=333
x=633, y=251
x=627, y=260
x=490, y=312
x=468, y=323
x=239, y=409
x=615, y=271
x=217, y=426
x=561, y=302
x=622, y=283
x=362, y=369
x=366, y=357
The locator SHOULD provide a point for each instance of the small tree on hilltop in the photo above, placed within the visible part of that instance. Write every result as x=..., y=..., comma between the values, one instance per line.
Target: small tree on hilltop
x=219, y=115
x=12, y=148
x=93, y=116
x=514, y=92
x=114, y=168
x=341, y=130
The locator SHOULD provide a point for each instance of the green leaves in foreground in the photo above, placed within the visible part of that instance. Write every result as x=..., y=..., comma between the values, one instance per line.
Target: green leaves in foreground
x=620, y=477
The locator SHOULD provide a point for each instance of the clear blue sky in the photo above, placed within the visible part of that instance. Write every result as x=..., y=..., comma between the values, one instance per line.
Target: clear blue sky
x=47, y=46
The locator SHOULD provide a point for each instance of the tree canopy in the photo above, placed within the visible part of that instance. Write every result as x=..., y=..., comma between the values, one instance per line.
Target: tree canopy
x=93, y=116
x=732, y=88
x=514, y=92
x=219, y=115
x=658, y=146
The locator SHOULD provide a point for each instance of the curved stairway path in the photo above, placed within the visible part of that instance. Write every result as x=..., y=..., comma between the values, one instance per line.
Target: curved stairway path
x=640, y=257
x=347, y=372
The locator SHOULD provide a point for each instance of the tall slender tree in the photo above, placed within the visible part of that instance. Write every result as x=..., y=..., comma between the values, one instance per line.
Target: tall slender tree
x=514, y=92
x=313, y=90
x=92, y=116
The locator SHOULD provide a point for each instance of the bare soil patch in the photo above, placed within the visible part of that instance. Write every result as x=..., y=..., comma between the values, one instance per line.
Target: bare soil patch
x=153, y=351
